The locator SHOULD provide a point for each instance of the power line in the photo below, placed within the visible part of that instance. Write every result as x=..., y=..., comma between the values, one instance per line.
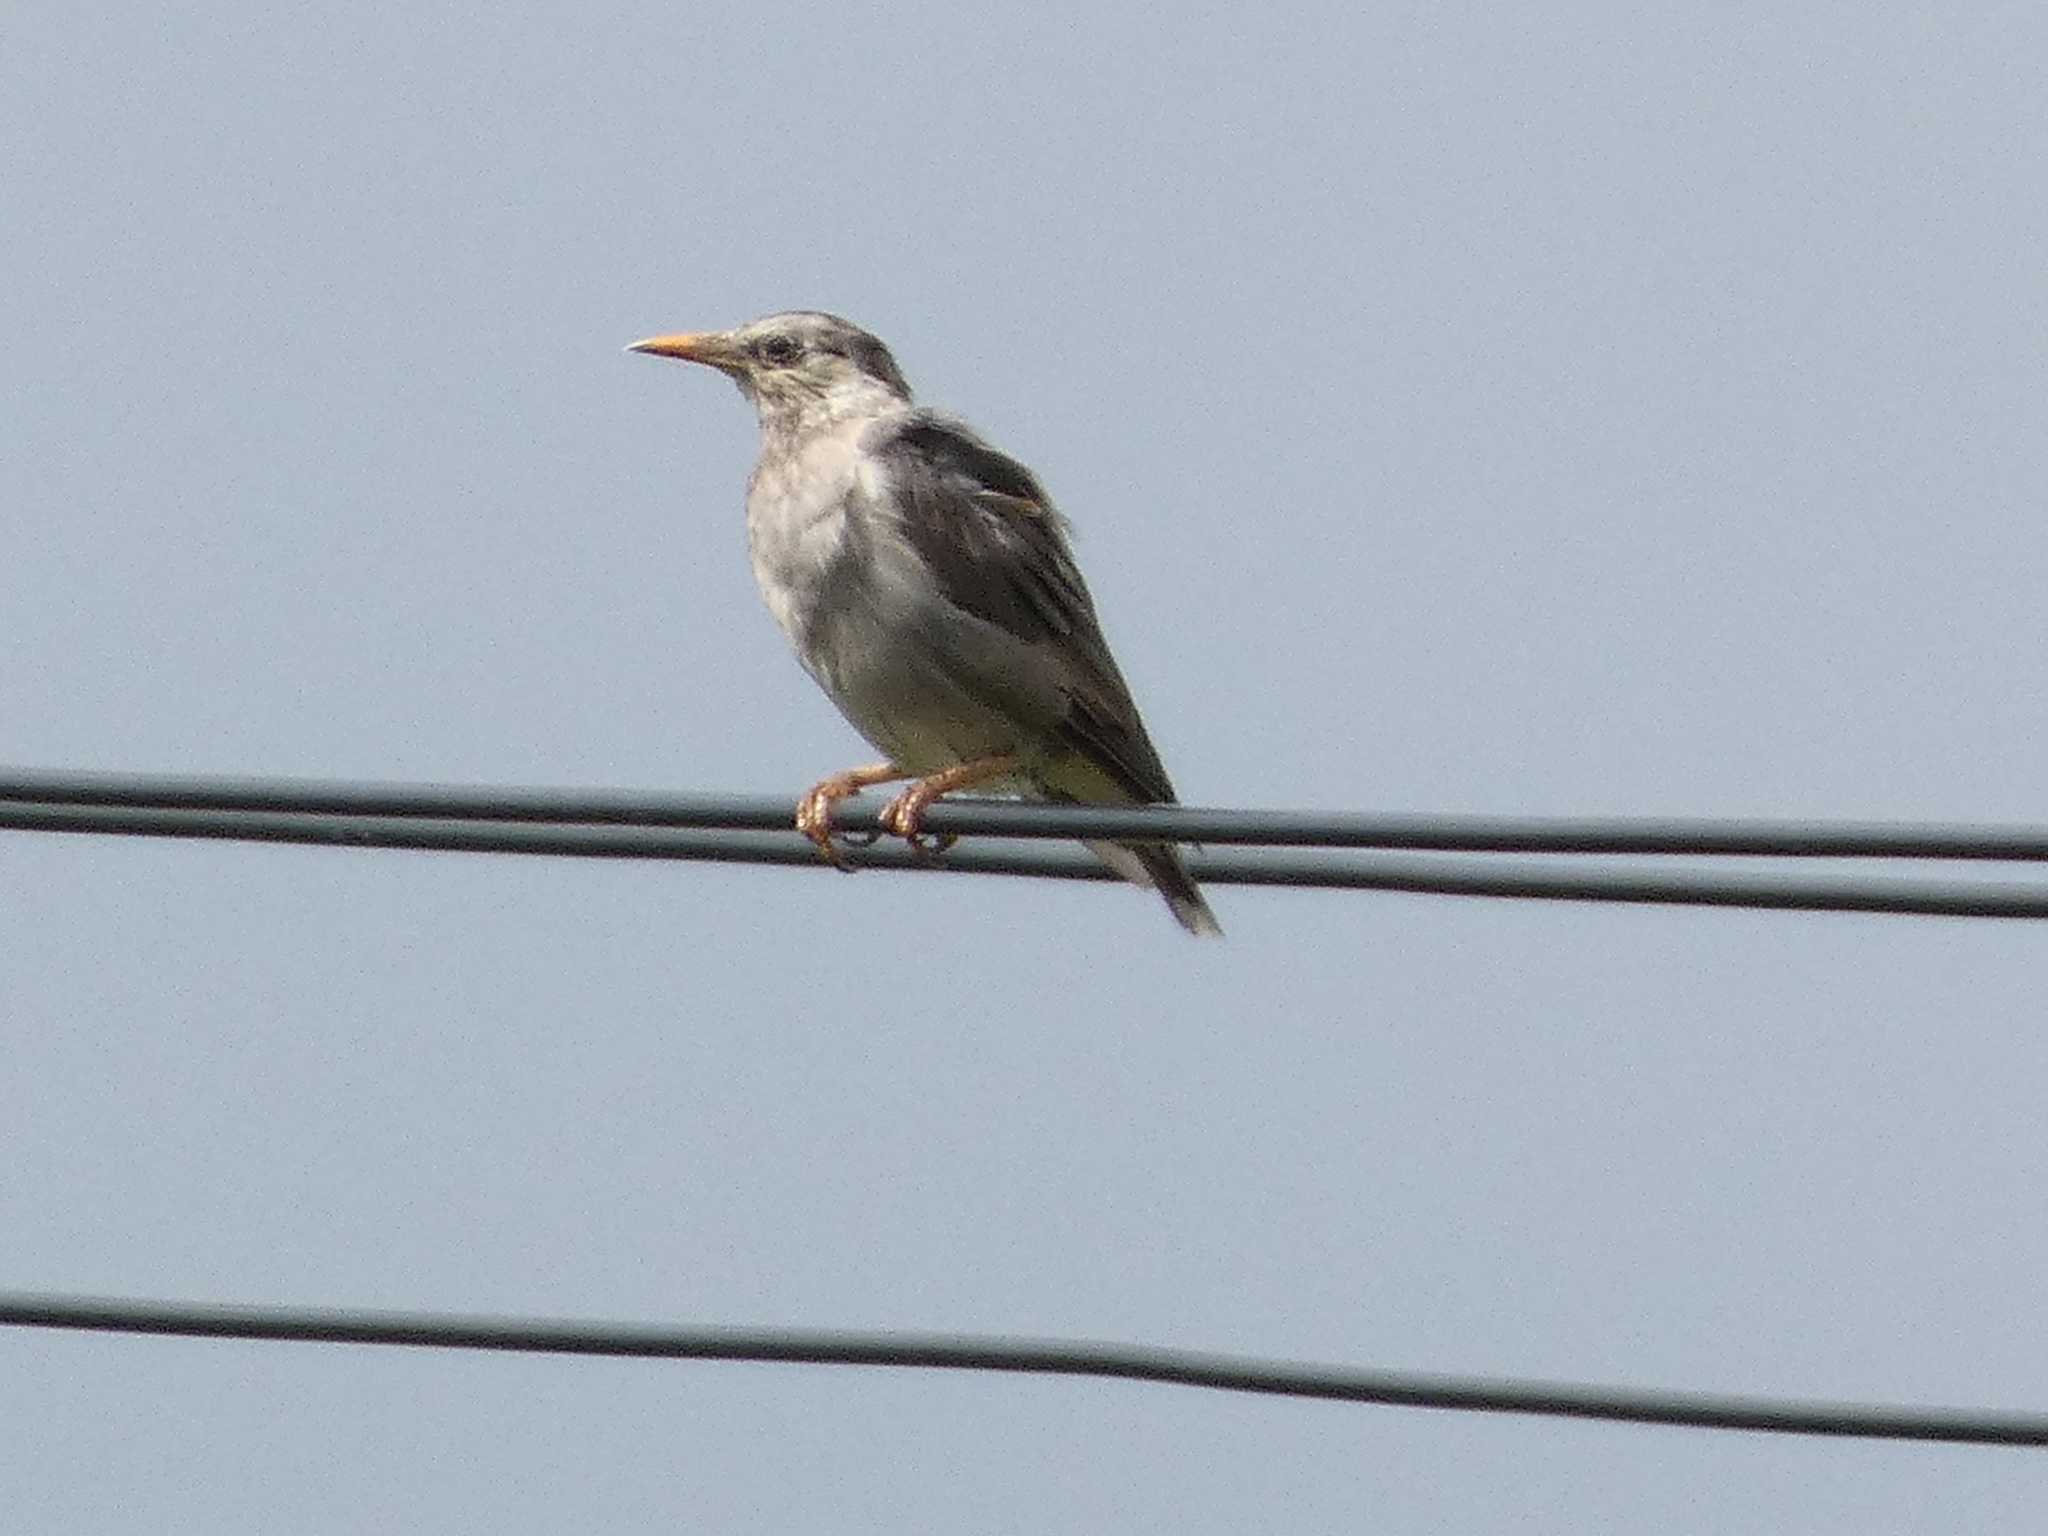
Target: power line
x=996, y=818
x=756, y=829
x=1451, y=875
x=1057, y=1357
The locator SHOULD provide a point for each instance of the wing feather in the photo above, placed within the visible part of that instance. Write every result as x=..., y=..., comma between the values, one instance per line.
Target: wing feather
x=998, y=549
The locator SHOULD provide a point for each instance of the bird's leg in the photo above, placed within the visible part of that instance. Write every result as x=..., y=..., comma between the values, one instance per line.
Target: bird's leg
x=905, y=814
x=814, y=810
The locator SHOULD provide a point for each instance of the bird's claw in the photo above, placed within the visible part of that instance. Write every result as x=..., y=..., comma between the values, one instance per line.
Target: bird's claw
x=814, y=820
x=904, y=816
x=930, y=845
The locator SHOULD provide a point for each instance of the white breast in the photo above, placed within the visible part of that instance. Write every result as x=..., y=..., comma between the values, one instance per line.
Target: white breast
x=922, y=679
x=796, y=521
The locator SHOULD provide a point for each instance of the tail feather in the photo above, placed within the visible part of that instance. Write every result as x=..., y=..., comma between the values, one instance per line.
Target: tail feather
x=1158, y=866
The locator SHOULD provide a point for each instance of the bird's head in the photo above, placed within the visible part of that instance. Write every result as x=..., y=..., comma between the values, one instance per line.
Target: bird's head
x=798, y=368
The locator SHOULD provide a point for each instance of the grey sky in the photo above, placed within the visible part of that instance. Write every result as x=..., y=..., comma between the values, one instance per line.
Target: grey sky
x=1467, y=408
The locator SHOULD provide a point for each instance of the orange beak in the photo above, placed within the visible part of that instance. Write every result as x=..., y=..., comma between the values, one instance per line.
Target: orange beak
x=711, y=348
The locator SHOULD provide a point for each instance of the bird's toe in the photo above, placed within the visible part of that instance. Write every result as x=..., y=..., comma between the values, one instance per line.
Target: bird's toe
x=814, y=821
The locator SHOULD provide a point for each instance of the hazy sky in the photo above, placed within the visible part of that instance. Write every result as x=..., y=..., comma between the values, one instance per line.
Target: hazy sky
x=1580, y=408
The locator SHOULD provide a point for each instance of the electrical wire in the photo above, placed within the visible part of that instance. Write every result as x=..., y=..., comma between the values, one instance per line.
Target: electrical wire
x=1059, y=1357
x=756, y=829
x=998, y=818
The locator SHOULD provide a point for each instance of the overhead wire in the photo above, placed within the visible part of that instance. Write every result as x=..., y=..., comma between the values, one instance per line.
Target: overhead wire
x=756, y=829
x=1764, y=837
x=1040, y=1356
x=1444, y=855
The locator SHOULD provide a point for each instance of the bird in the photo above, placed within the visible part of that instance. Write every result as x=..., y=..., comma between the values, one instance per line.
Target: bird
x=926, y=582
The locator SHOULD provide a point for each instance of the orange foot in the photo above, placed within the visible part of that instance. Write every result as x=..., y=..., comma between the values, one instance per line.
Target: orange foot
x=814, y=810
x=904, y=815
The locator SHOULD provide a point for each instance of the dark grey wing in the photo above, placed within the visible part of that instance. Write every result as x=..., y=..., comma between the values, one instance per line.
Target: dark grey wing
x=986, y=528
x=990, y=534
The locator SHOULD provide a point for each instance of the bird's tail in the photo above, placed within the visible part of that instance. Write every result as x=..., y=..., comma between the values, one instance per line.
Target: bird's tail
x=1158, y=865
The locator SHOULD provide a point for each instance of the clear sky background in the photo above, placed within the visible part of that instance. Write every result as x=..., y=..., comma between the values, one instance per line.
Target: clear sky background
x=1578, y=408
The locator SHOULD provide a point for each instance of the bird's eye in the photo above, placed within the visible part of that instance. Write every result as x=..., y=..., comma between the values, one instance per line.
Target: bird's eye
x=780, y=350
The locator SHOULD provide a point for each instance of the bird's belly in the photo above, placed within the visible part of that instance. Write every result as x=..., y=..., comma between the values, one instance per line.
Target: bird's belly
x=927, y=683
x=894, y=688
